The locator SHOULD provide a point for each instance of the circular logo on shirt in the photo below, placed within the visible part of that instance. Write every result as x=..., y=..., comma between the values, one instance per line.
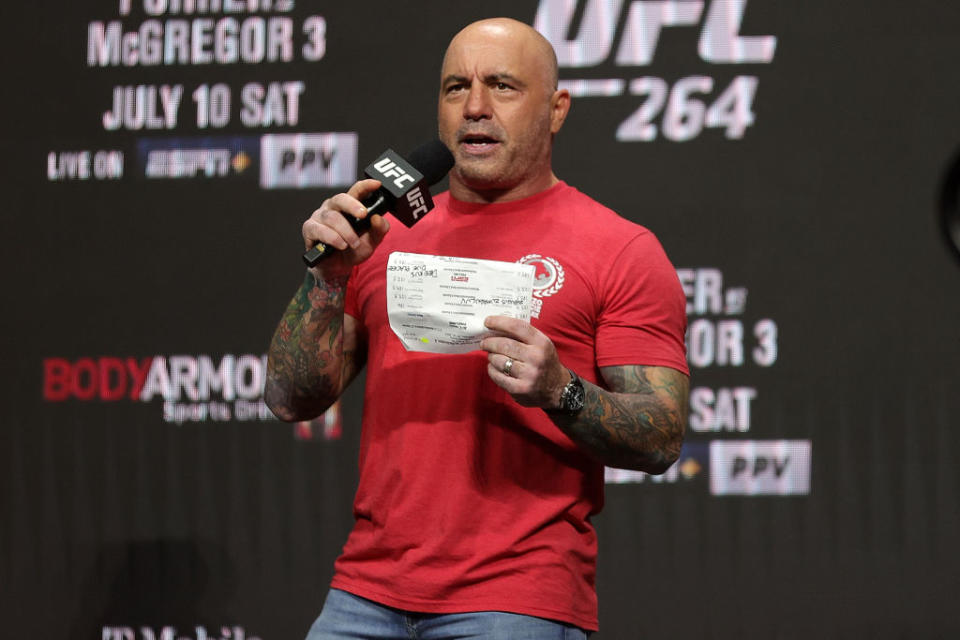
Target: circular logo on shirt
x=548, y=277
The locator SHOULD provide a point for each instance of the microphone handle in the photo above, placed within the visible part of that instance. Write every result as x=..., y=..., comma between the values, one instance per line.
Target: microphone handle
x=375, y=203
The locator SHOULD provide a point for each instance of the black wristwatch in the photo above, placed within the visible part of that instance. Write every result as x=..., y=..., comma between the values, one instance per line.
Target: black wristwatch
x=571, y=398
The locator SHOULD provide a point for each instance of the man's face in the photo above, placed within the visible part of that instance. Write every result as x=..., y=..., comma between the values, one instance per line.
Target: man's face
x=496, y=111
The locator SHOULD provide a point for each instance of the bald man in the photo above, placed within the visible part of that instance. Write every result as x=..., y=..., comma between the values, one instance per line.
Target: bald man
x=479, y=472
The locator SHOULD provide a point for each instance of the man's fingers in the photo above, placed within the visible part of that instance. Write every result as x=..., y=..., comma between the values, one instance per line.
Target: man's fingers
x=522, y=361
x=337, y=220
x=330, y=224
x=329, y=227
x=315, y=232
x=378, y=229
x=513, y=327
x=506, y=381
x=519, y=389
x=347, y=205
x=333, y=225
x=505, y=346
x=362, y=188
x=505, y=364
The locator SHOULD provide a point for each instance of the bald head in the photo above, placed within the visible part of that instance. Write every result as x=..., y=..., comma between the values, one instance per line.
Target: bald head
x=499, y=109
x=536, y=50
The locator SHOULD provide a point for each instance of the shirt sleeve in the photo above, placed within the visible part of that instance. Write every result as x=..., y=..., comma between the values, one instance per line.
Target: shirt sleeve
x=643, y=317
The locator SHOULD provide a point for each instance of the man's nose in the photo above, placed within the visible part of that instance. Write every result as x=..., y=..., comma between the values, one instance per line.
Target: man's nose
x=477, y=105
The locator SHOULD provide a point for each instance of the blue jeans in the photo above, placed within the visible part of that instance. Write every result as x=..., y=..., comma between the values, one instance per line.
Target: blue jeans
x=346, y=616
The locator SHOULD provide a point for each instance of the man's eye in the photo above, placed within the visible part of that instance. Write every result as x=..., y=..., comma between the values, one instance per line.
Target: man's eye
x=503, y=86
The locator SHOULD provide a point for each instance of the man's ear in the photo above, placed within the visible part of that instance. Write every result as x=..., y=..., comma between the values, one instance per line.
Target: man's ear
x=559, y=108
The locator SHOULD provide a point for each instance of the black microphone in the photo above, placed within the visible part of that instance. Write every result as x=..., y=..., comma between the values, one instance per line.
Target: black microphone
x=404, y=190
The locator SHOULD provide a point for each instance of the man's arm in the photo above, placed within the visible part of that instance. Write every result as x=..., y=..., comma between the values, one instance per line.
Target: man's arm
x=637, y=424
x=315, y=352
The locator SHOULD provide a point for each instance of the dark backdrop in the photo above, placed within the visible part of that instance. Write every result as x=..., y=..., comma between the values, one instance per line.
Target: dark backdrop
x=818, y=223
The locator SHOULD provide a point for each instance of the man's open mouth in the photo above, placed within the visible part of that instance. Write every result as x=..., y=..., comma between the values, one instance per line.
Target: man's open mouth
x=478, y=142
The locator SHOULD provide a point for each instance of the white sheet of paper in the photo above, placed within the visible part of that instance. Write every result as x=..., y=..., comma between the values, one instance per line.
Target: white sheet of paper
x=438, y=303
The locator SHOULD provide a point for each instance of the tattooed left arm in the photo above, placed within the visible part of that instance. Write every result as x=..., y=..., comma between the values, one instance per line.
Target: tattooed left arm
x=638, y=424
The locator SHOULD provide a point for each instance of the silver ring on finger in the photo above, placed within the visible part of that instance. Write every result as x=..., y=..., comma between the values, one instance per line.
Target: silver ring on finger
x=507, y=366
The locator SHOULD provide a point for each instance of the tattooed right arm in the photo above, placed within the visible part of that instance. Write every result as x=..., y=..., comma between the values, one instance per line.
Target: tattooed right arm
x=314, y=352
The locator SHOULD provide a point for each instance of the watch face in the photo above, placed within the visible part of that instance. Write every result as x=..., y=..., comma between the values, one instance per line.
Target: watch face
x=576, y=397
x=572, y=399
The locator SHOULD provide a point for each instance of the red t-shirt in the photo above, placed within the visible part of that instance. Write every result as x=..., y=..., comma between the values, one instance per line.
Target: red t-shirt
x=468, y=501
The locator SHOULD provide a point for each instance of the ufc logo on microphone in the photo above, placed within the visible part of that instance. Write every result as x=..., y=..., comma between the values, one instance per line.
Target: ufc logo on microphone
x=389, y=169
x=417, y=203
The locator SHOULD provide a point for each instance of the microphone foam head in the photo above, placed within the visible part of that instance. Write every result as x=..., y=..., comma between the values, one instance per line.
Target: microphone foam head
x=432, y=159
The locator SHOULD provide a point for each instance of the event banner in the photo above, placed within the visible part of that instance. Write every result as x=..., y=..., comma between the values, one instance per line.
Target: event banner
x=798, y=161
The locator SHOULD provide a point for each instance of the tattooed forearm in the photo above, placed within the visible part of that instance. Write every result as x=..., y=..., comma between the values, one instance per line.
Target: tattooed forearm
x=638, y=425
x=308, y=364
